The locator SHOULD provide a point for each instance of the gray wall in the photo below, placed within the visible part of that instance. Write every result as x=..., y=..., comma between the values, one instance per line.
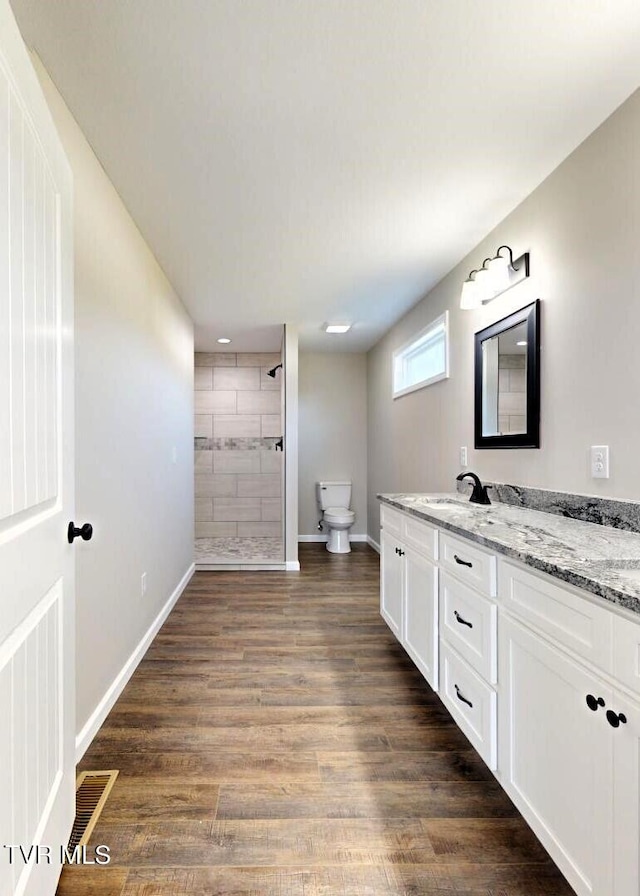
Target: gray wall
x=582, y=227
x=134, y=425
x=333, y=432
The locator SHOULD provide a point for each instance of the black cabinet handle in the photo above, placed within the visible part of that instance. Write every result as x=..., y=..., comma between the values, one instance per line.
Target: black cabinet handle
x=593, y=703
x=461, y=697
x=462, y=562
x=85, y=532
x=401, y=552
x=461, y=620
x=615, y=719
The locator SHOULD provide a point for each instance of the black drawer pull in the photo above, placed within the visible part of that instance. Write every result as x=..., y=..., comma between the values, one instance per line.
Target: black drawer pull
x=461, y=697
x=461, y=620
x=594, y=703
x=462, y=562
x=615, y=719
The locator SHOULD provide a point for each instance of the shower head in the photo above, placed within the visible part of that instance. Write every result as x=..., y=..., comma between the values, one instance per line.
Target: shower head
x=272, y=372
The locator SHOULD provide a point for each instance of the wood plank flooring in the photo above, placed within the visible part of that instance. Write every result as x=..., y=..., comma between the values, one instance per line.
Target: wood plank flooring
x=276, y=741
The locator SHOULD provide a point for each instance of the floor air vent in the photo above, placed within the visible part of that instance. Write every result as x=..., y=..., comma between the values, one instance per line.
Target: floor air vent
x=92, y=790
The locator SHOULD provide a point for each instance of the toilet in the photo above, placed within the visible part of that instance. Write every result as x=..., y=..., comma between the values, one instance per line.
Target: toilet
x=333, y=500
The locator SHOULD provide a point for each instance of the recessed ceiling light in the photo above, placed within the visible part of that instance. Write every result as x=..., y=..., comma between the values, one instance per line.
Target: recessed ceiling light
x=223, y=340
x=524, y=342
x=337, y=328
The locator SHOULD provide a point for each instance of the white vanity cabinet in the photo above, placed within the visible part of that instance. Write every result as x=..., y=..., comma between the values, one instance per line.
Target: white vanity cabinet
x=569, y=735
x=408, y=593
x=543, y=678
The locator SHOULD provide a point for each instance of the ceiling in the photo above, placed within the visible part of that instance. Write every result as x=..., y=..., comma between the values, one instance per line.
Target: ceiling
x=304, y=161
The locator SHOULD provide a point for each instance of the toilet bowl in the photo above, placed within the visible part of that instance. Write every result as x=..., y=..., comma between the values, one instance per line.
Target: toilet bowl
x=334, y=499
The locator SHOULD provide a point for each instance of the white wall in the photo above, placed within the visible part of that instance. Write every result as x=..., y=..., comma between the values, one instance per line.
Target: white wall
x=333, y=432
x=582, y=227
x=134, y=406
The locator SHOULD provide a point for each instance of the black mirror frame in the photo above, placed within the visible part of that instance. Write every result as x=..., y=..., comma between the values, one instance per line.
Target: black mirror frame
x=531, y=438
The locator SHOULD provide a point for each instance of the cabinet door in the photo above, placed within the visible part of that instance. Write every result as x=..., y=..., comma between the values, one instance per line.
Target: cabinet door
x=421, y=614
x=391, y=583
x=556, y=755
x=626, y=821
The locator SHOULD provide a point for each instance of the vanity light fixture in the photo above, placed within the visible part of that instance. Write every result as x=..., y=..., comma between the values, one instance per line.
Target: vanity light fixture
x=496, y=275
x=336, y=328
x=223, y=340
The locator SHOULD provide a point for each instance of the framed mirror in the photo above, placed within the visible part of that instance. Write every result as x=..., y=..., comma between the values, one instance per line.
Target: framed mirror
x=507, y=381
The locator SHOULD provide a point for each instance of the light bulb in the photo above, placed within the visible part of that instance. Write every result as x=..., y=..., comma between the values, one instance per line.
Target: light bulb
x=470, y=297
x=499, y=273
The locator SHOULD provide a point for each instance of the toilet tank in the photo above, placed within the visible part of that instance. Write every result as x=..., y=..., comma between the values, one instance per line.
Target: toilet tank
x=333, y=494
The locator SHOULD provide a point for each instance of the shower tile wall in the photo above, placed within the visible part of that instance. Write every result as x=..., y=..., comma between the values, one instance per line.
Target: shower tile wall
x=237, y=469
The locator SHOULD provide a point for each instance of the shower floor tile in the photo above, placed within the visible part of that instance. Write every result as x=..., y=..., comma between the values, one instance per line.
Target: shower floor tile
x=238, y=550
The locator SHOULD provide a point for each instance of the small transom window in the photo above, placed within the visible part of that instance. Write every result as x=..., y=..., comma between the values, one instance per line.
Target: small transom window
x=424, y=360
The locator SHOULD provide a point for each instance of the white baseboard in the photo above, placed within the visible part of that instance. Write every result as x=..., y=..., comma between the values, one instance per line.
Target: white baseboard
x=240, y=567
x=293, y=566
x=104, y=707
x=373, y=544
x=323, y=538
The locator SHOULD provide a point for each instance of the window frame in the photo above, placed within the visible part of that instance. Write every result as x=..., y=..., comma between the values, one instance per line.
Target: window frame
x=401, y=354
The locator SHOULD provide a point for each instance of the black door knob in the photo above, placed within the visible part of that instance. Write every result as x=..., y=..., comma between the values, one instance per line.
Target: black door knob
x=594, y=703
x=84, y=532
x=615, y=719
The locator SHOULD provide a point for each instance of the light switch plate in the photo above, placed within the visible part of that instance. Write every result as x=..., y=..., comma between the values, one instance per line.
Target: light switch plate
x=599, y=461
x=463, y=457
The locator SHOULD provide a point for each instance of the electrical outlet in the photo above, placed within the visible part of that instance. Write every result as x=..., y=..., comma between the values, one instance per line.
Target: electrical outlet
x=143, y=584
x=599, y=461
x=463, y=457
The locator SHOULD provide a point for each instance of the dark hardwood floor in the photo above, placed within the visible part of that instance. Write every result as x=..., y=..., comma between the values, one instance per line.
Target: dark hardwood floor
x=276, y=741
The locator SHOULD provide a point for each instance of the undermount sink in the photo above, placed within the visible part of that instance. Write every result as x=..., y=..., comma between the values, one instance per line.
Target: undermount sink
x=443, y=504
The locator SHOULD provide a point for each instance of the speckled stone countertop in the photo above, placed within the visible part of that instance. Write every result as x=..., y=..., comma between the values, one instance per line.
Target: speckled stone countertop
x=599, y=559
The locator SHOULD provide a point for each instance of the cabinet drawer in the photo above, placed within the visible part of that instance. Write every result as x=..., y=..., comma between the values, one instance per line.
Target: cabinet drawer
x=420, y=536
x=559, y=613
x=471, y=702
x=390, y=520
x=469, y=563
x=469, y=623
x=626, y=653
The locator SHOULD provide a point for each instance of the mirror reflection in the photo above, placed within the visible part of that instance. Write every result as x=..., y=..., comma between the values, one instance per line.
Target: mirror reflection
x=504, y=382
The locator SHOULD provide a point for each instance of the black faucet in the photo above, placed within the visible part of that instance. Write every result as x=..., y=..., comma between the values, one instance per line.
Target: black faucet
x=479, y=494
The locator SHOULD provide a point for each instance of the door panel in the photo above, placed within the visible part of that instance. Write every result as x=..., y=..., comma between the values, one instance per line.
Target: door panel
x=421, y=614
x=391, y=584
x=556, y=755
x=626, y=822
x=36, y=477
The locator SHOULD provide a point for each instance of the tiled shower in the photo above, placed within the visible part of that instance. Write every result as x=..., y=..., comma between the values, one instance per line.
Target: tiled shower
x=238, y=467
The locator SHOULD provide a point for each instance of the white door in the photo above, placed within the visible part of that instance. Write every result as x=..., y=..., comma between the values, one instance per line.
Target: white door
x=391, y=581
x=556, y=755
x=421, y=614
x=626, y=821
x=36, y=485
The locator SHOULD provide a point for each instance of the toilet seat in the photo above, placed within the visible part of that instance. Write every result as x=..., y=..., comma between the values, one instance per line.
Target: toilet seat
x=339, y=515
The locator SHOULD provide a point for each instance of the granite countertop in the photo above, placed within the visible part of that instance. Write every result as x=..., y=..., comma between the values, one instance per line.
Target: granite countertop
x=599, y=559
